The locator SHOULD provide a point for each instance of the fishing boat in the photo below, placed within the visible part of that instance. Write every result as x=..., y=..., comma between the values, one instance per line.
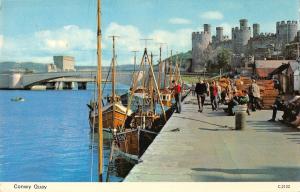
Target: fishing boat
x=145, y=123
x=114, y=113
x=166, y=93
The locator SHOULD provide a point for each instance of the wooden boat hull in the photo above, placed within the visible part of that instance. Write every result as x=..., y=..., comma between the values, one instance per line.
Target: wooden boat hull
x=109, y=122
x=134, y=142
x=110, y=119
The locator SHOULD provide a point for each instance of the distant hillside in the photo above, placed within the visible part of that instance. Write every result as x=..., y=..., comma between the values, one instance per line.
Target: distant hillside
x=36, y=67
x=185, y=57
x=105, y=68
x=41, y=67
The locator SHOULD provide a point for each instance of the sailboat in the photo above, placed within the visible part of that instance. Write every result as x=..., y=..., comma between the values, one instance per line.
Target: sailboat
x=145, y=122
x=114, y=113
x=166, y=94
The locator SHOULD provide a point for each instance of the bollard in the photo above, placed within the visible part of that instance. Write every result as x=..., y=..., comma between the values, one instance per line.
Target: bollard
x=240, y=117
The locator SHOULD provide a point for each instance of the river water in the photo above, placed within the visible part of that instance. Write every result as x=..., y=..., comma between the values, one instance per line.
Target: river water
x=47, y=138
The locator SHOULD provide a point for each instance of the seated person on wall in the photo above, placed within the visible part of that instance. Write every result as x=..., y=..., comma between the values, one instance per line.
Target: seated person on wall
x=223, y=96
x=296, y=122
x=232, y=103
x=244, y=100
x=291, y=110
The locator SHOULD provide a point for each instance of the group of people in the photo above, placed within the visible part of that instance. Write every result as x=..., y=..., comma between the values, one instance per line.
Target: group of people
x=213, y=90
x=227, y=96
x=291, y=110
x=251, y=98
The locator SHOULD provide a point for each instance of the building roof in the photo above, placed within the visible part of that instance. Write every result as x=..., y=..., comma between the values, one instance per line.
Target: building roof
x=264, y=67
x=273, y=64
x=279, y=69
x=263, y=72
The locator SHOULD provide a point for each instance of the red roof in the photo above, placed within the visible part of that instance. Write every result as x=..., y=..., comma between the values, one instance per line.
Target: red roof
x=264, y=72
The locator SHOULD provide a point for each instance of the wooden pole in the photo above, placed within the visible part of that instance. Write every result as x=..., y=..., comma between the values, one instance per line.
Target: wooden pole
x=113, y=83
x=134, y=61
x=151, y=86
x=99, y=85
x=156, y=87
x=159, y=68
x=170, y=69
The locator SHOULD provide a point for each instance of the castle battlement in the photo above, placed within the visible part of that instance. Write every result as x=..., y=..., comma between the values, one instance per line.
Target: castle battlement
x=236, y=29
x=199, y=35
x=288, y=23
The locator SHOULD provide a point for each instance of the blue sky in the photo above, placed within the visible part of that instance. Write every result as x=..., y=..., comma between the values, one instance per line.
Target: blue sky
x=35, y=30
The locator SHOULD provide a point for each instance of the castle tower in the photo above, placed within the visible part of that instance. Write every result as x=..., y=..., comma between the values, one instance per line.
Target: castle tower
x=219, y=34
x=240, y=37
x=207, y=28
x=256, y=29
x=243, y=24
x=200, y=42
x=286, y=32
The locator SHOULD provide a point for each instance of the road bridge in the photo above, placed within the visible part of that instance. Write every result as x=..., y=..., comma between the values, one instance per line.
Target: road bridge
x=20, y=80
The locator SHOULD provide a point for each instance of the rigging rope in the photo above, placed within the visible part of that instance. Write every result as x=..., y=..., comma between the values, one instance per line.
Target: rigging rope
x=106, y=79
x=93, y=134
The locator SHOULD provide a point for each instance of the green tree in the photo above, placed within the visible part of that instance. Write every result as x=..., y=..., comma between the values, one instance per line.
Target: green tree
x=223, y=59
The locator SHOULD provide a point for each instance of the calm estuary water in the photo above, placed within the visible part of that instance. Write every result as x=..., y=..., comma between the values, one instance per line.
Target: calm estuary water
x=47, y=137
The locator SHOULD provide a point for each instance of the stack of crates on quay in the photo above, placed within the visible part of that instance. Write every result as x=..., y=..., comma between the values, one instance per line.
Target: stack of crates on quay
x=268, y=93
x=224, y=83
x=267, y=90
x=243, y=83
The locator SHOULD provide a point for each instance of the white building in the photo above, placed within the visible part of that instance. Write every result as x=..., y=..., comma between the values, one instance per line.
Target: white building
x=64, y=63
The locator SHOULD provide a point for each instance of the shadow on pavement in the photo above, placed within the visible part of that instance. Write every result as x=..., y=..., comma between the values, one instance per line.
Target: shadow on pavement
x=214, y=124
x=260, y=174
x=265, y=126
x=206, y=129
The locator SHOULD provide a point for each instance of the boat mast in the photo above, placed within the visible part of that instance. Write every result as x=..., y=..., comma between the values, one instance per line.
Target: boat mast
x=113, y=83
x=113, y=75
x=170, y=69
x=159, y=68
x=166, y=68
x=134, y=61
x=155, y=84
x=176, y=73
x=151, y=93
x=99, y=101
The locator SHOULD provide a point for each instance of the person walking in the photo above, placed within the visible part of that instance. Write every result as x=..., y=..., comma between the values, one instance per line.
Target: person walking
x=254, y=95
x=207, y=87
x=213, y=96
x=201, y=91
x=193, y=89
x=177, y=93
x=219, y=93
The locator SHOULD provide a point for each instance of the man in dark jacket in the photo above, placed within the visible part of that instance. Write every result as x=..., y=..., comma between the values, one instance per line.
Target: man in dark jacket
x=201, y=91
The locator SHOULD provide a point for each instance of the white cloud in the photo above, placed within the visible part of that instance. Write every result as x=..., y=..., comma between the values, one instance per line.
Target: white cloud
x=129, y=36
x=179, y=40
x=42, y=45
x=81, y=43
x=226, y=29
x=179, y=21
x=1, y=41
x=67, y=38
x=212, y=15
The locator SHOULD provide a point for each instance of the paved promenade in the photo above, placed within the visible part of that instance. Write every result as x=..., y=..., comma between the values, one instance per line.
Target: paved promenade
x=195, y=146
